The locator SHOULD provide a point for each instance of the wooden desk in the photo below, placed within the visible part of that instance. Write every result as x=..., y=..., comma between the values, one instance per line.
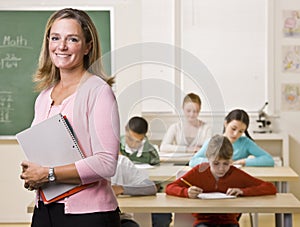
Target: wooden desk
x=175, y=158
x=285, y=203
x=166, y=172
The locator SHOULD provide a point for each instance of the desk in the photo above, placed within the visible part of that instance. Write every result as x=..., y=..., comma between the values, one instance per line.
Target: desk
x=284, y=203
x=166, y=172
x=175, y=158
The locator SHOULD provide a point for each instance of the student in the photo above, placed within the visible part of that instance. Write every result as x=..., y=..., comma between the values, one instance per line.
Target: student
x=246, y=151
x=135, y=144
x=71, y=81
x=130, y=180
x=189, y=134
x=218, y=175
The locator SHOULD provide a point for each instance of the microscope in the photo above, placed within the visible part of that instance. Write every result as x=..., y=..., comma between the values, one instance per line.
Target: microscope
x=263, y=122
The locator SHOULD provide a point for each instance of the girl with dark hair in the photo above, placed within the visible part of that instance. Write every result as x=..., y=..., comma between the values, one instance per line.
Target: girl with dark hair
x=246, y=151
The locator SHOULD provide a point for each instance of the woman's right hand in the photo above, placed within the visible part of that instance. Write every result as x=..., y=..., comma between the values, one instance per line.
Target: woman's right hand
x=194, y=191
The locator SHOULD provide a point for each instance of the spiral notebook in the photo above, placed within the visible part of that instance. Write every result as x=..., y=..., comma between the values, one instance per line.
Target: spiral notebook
x=52, y=143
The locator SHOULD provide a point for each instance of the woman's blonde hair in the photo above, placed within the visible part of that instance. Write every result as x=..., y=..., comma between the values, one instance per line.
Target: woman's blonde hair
x=47, y=73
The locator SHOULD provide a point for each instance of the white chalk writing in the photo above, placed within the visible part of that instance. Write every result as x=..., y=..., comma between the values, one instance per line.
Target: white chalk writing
x=9, y=61
x=6, y=108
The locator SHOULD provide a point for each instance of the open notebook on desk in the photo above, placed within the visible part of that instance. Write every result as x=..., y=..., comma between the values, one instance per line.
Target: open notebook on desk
x=215, y=195
x=52, y=143
x=176, y=158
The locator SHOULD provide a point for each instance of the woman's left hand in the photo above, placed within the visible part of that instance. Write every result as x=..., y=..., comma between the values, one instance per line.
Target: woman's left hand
x=34, y=175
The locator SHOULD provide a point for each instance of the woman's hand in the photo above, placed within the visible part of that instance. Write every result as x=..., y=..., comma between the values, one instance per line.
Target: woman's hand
x=234, y=191
x=34, y=175
x=194, y=191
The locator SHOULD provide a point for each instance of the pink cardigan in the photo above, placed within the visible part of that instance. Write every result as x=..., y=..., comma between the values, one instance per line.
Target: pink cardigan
x=93, y=114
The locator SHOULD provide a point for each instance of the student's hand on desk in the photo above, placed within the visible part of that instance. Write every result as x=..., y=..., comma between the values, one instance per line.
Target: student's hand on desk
x=192, y=149
x=118, y=189
x=234, y=191
x=240, y=162
x=194, y=191
x=33, y=175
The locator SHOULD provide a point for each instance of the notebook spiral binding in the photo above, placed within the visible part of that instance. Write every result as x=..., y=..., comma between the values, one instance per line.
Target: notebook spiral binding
x=71, y=132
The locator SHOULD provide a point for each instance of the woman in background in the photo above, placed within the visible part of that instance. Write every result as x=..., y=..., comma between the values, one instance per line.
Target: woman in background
x=189, y=134
x=246, y=151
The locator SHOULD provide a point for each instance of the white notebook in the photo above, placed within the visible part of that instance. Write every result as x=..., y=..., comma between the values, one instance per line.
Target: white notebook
x=51, y=143
x=215, y=195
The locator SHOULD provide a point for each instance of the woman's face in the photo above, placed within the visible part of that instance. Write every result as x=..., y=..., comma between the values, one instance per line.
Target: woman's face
x=67, y=45
x=219, y=167
x=234, y=129
x=191, y=111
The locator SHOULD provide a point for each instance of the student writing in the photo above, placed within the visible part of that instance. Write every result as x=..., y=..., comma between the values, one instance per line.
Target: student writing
x=219, y=175
x=189, y=134
x=246, y=151
x=135, y=144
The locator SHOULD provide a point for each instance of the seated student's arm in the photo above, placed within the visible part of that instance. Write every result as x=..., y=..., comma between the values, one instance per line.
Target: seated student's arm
x=184, y=187
x=167, y=144
x=261, y=157
x=200, y=156
x=130, y=180
x=154, y=156
x=251, y=186
x=146, y=187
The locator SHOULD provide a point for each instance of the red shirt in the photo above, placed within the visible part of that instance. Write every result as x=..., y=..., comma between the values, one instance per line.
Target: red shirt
x=202, y=177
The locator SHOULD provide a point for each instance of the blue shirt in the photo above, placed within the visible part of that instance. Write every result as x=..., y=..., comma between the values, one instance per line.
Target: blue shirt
x=242, y=148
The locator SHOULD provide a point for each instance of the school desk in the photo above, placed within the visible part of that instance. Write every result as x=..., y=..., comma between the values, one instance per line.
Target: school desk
x=281, y=175
x=284, y=203
x=175, y=158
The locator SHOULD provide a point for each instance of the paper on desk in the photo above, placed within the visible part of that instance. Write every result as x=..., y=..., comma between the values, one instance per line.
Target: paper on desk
x=175, y=155
x=215, y=195
x=143, y=166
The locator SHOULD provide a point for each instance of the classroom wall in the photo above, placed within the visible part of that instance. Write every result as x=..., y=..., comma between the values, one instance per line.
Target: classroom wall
x=128, y=29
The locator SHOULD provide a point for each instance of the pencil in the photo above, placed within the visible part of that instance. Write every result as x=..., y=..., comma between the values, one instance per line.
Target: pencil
x=187, y=183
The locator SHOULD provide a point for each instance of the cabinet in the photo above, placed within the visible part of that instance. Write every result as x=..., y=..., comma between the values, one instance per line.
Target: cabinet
x=277, y=144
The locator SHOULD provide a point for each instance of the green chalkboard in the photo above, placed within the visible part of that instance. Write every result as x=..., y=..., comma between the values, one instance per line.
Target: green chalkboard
x=21, y=34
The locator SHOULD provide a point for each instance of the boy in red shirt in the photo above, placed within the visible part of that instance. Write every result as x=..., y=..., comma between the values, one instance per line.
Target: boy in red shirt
x=218, y=175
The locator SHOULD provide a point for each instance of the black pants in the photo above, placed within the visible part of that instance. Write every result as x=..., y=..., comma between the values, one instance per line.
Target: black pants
x=213, y=225
x=52, y=215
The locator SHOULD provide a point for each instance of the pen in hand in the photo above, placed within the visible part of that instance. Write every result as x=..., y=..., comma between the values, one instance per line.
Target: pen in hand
x=186, y=182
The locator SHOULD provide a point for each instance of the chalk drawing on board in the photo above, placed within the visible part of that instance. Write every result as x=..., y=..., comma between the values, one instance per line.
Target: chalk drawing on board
x=6, y=109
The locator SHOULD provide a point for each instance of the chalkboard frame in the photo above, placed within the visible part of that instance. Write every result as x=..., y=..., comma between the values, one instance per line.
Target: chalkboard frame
x=8, y=133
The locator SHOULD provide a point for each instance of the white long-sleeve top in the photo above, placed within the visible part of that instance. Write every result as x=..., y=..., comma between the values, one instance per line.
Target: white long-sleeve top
x=134, y=181
x=175, y=140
